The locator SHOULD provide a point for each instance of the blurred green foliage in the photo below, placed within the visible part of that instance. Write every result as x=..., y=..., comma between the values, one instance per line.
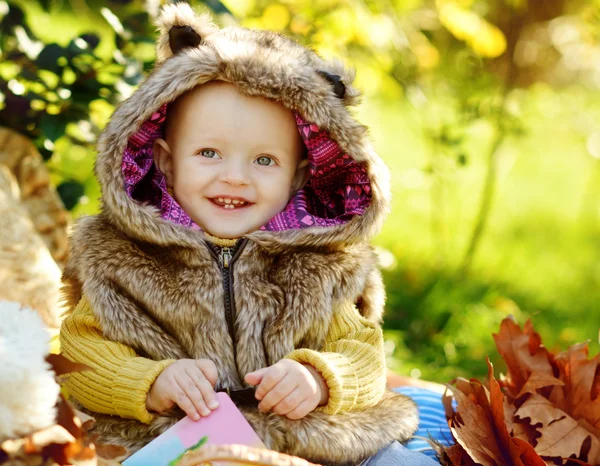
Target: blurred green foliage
x=486, y=111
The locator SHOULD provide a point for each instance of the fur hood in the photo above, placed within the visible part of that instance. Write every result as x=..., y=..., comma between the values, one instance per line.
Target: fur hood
x=348, y=190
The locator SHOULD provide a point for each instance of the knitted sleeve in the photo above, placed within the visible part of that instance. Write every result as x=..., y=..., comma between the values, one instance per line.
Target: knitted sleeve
x=119, y=381
x=352, y=362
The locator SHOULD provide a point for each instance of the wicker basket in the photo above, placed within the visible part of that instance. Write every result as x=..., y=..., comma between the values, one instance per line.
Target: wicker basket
x=239, y=455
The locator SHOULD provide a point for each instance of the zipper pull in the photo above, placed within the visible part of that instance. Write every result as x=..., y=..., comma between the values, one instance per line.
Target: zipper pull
x=225, y=257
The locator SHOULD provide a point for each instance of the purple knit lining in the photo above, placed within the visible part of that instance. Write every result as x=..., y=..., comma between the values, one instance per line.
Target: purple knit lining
x=337, y=190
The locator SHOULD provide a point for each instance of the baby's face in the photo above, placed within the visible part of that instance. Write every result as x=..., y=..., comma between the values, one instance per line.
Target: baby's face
x=233, y=161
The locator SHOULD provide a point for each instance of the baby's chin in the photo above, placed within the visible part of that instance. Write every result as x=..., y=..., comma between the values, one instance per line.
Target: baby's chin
x=228, y=233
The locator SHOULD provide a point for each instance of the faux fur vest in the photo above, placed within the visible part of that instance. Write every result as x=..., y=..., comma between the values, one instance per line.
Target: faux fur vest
x=155, y=286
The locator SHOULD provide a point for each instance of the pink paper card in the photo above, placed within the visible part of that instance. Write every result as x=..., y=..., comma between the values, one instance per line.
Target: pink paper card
x=225, y=425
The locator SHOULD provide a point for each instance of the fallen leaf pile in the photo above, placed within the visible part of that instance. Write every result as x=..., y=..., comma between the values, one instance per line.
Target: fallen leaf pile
x=545, y=411
x=67, y=441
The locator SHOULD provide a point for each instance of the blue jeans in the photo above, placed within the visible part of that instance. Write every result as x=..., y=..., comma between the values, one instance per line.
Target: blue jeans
x=432, y=423
x=398, y=455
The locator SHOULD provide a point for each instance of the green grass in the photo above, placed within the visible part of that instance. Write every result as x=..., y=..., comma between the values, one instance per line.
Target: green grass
x=538, y=257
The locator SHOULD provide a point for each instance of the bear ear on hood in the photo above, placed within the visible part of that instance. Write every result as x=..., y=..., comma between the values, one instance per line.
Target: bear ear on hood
x=341, y=79
x=180, y=27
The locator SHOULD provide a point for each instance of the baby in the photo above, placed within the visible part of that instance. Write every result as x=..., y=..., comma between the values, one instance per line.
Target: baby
x=232, y=252
x=233, y=162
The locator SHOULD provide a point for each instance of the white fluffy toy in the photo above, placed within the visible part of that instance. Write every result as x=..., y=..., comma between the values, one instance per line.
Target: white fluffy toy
x=28, y=391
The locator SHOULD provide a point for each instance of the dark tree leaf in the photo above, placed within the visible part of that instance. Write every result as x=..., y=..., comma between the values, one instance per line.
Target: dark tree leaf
x=48, y=58
x=46, y=4
x=218, y=7
x=138, y=22
x=92, y=40
x=17, y=112
x=70, y=192
x=14, y=17
x=45, y=153
x=53, y=126
x=86, y=91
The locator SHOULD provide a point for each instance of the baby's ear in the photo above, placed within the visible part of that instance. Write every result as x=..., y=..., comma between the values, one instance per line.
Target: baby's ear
x=161, y=152
x=180, y=28
x=301, y=176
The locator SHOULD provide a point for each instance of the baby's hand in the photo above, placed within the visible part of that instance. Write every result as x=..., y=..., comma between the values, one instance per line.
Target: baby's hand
x=289, y=388
x=189, y=383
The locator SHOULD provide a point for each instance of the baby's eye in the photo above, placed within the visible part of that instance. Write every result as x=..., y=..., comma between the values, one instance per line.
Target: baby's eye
x=265, y=161
x=209, y=153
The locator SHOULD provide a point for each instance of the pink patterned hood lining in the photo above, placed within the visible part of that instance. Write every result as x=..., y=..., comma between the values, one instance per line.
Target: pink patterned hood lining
x=337, y=190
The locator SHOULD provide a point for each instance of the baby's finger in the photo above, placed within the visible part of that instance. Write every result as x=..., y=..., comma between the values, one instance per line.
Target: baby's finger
x=209, y=369
x=290, y=402
x=270, y=379
x=300, y=411
x=277, y=394
x=206, y=389
x=182, y=400
x=188, y=386
x=254, y=378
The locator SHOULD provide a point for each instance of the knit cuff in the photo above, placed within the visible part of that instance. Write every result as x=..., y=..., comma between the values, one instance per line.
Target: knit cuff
x=131, y=385
x=339, y=375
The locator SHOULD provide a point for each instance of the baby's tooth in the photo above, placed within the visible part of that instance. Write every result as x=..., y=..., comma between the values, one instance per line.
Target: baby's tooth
x=235, y=201
x=228, y=201
x=220, y=199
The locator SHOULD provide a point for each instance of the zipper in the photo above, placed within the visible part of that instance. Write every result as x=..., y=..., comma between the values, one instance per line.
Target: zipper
x=226, y=257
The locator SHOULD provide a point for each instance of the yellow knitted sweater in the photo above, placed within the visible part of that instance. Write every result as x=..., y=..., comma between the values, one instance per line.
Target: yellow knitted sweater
x=352, y=363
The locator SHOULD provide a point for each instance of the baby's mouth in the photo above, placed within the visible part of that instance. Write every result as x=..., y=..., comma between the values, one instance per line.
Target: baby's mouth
x=229, y=204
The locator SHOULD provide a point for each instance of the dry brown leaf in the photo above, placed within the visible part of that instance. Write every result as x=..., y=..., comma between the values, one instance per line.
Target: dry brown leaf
x=61, y=365
x=521, y=453
x=479, y=427
x=39, y=440
x=87, y=421
x=580, y=376
x=537, y=381
x=523, y=353
x=471, y=429
x=525, y=432
x=548, y=414
x=456, y=455
x=66, y=417
x=561, y=435
x=103, y=462
x=111, y=452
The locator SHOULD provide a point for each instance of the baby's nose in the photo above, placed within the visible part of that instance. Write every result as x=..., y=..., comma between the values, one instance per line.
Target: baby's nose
x=235, y=173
